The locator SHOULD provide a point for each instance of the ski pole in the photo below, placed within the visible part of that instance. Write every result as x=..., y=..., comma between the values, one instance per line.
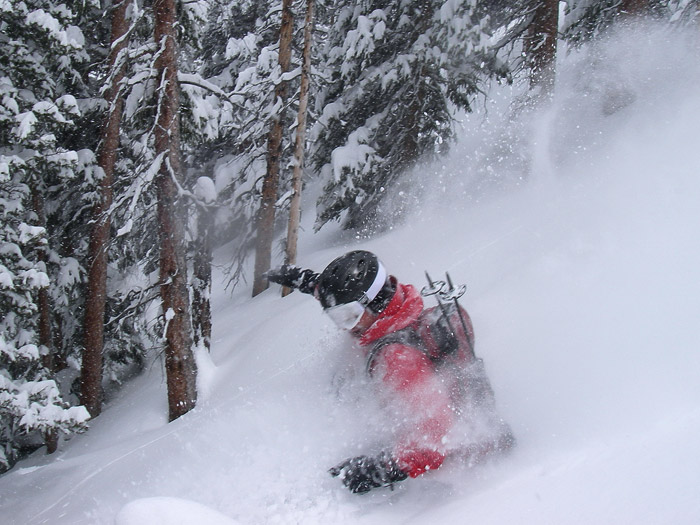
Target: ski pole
x=459, y=312
x=436, y=291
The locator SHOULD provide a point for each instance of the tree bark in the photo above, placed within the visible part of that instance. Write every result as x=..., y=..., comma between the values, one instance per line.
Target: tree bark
x=266, y=212
x=180, y=366
x=541, y=47
x=93, y=323
x=295, y=205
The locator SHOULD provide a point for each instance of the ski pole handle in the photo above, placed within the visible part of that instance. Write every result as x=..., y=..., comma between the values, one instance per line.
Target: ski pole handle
x=433, y=288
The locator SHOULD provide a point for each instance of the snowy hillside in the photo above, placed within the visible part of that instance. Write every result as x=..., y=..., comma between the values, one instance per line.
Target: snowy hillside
x=584, y=288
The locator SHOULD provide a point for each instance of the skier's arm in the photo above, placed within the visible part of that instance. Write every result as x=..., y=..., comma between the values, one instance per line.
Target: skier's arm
x=294, y=277
x=410, y=378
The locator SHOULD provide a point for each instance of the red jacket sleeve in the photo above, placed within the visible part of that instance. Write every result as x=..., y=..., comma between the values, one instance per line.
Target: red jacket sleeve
x=422, y=404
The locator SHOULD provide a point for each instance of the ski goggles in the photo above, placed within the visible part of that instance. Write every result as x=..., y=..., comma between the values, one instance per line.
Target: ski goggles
x=346, y=316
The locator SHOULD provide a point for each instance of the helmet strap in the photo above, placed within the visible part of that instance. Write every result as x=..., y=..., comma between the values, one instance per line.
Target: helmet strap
x=375, y=287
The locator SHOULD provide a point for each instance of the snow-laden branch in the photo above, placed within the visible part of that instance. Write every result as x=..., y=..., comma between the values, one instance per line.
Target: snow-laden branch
x=197, y=81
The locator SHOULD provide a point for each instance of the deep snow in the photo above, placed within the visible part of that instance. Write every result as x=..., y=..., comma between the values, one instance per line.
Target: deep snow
x=584, y=290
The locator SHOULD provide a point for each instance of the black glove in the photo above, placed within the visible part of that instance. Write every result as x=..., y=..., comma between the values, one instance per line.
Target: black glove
x=364, y=473
x=294, y=277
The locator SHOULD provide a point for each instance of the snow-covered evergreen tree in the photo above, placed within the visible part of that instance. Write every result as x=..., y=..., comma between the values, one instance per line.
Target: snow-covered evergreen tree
x=587, y=19
x=131, y=328
x=242, y=62
x=684, y=11
x=39, y=52
x=396, y=72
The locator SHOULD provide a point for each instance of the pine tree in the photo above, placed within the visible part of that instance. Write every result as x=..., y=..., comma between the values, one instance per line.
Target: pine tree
x=398, y=70
x=131, y=333
x=540, y=47
x=39, y=52
x=587, y=19
x=684, y=12
x=265, y=220
x=240, y=67
x=96, y=300
x=300, y=142
x=181, y=369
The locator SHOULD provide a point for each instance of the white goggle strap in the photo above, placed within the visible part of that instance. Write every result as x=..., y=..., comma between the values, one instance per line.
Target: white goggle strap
x=375, y=287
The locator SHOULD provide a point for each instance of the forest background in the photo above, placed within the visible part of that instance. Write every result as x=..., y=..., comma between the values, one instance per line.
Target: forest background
x=136, y=138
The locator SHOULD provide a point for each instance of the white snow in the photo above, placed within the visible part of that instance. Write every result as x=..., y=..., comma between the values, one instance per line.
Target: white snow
x=128, y=225
x=72, y=36
x=584, y=291
x=25, y=124
x=170, y=511
x=205, y=190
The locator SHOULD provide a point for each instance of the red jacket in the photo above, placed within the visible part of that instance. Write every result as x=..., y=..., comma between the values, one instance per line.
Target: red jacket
x=410, y=380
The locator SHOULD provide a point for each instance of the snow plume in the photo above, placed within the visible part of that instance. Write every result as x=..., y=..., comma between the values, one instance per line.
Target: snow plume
x=578, y=245
x=630, y=74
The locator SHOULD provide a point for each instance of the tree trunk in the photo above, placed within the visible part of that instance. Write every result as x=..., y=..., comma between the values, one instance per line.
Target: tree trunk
x=295, y=205
x=180, y=366
x=91, y=368
x=541, y=48
x=201, y=293
x=266, y=213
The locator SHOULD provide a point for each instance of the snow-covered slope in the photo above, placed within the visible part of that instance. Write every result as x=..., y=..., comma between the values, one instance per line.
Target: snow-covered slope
x=584, y=288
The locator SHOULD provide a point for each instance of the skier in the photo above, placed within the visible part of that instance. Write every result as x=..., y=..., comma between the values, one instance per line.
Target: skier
x=421, y=359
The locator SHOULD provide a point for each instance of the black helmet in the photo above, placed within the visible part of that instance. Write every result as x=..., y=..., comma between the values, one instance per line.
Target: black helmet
x=355, y=276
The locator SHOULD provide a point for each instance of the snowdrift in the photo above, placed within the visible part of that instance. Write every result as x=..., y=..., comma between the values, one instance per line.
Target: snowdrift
x=584, y=290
